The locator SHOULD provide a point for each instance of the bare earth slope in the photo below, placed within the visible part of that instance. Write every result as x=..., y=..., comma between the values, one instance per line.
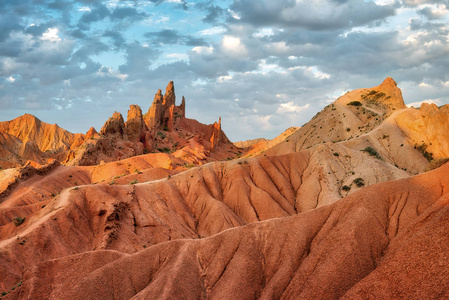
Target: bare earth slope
x=377, y=118
x=387, y=240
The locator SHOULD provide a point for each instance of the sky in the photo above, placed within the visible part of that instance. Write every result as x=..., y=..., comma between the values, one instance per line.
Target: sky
x=260, y=65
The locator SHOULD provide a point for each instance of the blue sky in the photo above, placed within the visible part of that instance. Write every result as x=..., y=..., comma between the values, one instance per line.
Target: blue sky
x=262, y=66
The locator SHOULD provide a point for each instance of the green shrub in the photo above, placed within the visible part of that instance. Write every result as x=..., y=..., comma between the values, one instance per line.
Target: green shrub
x=18, y=221
x=346, y=188
x=164, y=150
x=355, y=103
x=422, y=148
x=371, y=151
x=134, y=181
x=336, y=154
x=359, y=182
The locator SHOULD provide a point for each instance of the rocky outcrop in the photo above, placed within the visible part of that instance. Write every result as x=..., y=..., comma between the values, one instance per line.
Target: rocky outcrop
x=182, y=108
x=169, y=97
x=163, y=112
x=48, y=137
x=114, y=125
x=393, y=99
x=135, y=127
x=153, y=118
x=91, y=133
x=215, y=134
x=427, y=128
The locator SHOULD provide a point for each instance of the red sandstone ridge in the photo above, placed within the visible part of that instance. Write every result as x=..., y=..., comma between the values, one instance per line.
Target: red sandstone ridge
x=391, y=235
x=28, y=138
x=164, y=128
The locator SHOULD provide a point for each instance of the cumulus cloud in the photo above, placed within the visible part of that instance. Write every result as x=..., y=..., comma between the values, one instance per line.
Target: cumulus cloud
x=262, y=65
x=170, y=36
x=312, y=15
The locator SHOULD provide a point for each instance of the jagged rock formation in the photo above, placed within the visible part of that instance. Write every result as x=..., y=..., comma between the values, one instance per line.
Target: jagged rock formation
x=135, y=127
x=164, y=128
x=163, y=112
x=114, y=125
x=91, y=133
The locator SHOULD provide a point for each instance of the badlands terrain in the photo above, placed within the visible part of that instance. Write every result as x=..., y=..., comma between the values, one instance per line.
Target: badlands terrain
x=352, y=205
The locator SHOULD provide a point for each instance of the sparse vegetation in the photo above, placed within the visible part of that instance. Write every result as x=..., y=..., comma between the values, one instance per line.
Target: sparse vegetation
x=422, y=148
x=18, y=221
x=359, y=182
x=436, y=163
x=134, y=181
x=371, y=151
x=354, y=103
x=164, y=150
x=346, y=188
x=161, y=134
x=336, y=154
x=373, y=97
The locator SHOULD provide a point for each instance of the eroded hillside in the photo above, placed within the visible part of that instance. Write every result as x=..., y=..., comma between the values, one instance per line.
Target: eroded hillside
x=329, y=210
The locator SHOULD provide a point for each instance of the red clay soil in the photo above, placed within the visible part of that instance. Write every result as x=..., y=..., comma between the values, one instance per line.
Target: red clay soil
x=107, y=242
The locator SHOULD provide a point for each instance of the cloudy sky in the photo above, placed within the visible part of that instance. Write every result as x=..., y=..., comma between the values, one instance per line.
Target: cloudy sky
x=262, y=65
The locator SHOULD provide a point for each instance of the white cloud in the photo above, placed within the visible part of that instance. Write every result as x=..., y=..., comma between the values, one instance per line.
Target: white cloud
x=234, y=14
x=213, y=30
x=85, y=9
x=203, y=50
x=51, y=35
x=265, y=67
x=263, y=32
x=110, y=72
x=233, y=45
x=317, y=73
x=11, y=79
x=289, y=107
x=224, y=78
x=422, y=84
x=428, y=101
x=177, y=56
